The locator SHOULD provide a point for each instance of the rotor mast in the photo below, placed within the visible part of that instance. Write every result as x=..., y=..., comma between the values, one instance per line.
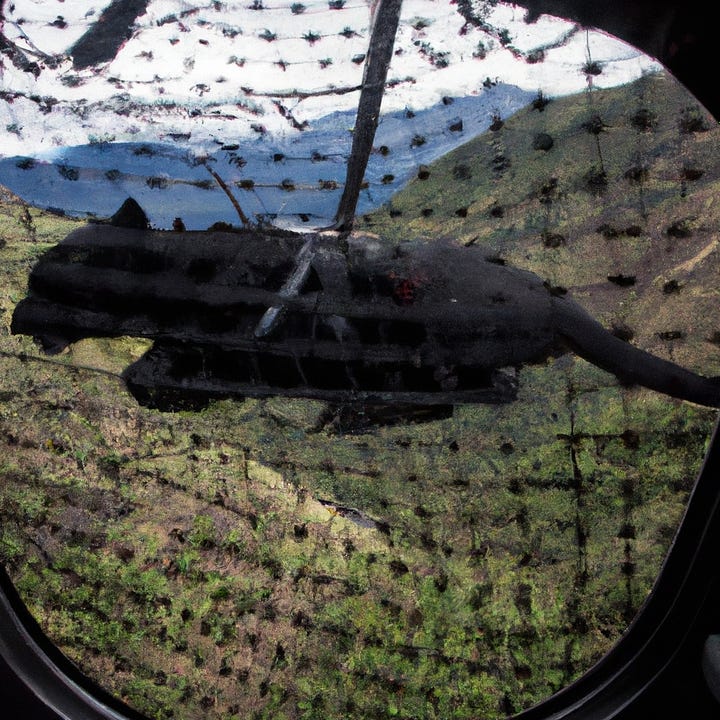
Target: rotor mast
x=385, y=20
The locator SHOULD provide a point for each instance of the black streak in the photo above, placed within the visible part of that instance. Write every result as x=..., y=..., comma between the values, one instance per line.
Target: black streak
x=106, y=36
x=385, y=22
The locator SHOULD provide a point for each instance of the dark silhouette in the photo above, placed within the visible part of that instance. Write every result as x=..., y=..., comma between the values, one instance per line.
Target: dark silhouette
x=272, y=312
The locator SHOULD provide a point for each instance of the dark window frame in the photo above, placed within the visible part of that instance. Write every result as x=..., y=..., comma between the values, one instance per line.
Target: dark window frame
x=655, y=670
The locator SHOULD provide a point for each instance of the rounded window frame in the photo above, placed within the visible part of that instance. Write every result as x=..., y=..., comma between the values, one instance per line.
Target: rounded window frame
x=656, y=667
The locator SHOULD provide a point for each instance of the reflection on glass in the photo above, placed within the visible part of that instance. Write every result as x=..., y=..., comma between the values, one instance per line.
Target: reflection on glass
x=280, y=471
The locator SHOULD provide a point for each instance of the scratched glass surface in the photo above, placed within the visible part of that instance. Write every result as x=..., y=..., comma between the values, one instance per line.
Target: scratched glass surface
x=286, y=432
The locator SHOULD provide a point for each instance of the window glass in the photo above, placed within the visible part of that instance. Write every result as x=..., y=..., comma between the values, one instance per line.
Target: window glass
x=426, y=469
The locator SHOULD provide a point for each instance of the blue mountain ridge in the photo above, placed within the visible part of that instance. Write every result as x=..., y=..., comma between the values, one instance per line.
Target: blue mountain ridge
x=293, y=181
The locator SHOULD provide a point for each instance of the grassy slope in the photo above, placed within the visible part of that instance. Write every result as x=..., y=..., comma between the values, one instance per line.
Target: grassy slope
x=186, y=561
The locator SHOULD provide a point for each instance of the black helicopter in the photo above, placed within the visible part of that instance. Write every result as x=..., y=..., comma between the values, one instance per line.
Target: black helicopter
x=336, y=315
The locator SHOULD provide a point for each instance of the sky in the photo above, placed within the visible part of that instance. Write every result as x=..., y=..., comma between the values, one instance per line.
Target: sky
x=209, y=73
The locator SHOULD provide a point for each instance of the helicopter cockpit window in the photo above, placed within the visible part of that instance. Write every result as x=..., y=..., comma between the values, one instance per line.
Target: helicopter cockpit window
x=314, y=409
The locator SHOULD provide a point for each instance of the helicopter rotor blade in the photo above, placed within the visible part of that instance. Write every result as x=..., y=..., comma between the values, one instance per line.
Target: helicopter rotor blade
x=385, y=20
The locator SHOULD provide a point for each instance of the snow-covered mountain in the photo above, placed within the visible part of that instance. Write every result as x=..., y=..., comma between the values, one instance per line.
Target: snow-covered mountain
x=264, y=93
x=296, y=176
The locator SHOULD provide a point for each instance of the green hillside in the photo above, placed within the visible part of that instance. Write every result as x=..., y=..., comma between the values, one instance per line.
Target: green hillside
x=251, y=561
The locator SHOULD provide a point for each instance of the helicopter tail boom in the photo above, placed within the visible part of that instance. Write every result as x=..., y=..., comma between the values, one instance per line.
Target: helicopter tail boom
x=631, y=365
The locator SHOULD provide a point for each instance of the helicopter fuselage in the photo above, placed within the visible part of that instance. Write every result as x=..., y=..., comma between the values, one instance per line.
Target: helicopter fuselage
x=339, y=318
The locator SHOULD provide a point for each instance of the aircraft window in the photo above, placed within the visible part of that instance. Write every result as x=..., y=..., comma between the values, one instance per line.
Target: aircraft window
x=289, y=431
